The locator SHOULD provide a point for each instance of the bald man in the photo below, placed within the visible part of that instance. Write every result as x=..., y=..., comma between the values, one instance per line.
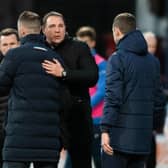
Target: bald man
x=151, y=41
x=152, y=47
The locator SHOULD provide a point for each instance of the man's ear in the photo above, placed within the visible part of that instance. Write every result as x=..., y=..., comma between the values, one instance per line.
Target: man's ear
x=93, y=43
x=117, y=31
x=18, y=43
x=22, y=31
x=43, y=29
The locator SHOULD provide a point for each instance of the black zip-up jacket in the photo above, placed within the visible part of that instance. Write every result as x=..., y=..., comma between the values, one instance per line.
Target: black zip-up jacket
x=82, y=73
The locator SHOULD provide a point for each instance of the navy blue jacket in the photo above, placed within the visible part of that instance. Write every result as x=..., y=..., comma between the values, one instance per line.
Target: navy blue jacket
x=33, y=120
x=132, y=86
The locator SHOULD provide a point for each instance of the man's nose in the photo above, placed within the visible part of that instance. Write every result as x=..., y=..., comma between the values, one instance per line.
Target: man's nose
x=57, y=29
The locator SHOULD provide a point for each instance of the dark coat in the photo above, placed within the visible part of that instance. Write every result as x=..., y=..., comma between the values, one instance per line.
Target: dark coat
x=82, y=73
x=3, y=106
x=3, y=109
x=34, y=106
x=133, y=78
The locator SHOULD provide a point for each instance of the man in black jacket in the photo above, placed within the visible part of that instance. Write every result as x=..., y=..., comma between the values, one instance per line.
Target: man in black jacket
x=33, y=121
x=8, y=39
x=80, y=73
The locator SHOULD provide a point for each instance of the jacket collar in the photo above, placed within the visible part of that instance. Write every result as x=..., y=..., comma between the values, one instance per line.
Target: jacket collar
x=32, y=38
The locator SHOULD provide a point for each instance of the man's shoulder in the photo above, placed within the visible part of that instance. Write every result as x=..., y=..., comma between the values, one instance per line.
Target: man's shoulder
x=154, y=59
x=42, y=49
x=76, y=43
x=32, y=49
x=13, y=52
x=114, y=56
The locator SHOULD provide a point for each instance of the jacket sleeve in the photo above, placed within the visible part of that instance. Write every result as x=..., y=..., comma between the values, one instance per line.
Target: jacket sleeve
x=7, y=71
x=100, y=93
x=113, y=92
x=87, y=72
x=159, y=104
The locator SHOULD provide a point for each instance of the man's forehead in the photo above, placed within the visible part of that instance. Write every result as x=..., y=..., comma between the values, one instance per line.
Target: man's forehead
x=8, y=37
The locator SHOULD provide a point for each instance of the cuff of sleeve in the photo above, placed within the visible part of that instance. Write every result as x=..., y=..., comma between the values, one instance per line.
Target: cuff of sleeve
x=64, y=74
x=105, y=128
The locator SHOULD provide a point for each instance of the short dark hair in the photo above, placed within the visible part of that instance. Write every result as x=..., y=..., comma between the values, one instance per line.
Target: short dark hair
x=52, y=13
x=9, y=31
x=126, y=22
x=30, y=19
x=86, y=31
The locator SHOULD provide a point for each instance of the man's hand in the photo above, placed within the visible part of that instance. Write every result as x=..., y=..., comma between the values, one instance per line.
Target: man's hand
x=105, y=143
x=53, y=67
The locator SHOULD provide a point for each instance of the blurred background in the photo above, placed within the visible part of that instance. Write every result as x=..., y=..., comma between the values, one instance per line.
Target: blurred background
x=152, y=15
